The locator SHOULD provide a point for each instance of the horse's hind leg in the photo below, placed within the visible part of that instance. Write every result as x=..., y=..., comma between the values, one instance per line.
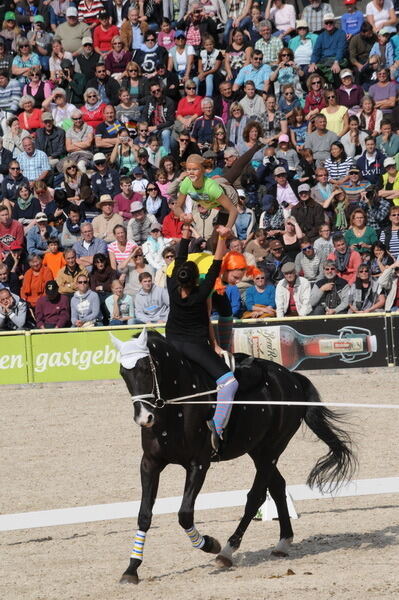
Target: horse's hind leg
x=150, y=472
x=195, y=476
x=277, y=492
x=255, y=498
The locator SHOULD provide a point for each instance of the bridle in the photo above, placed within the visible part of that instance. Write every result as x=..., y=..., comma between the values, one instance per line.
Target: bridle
x=156, y=397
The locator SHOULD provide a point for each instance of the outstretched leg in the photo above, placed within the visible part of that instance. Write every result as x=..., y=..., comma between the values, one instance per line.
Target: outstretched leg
x=255, y=498
x=195, y=476
x=150, y=471
x=278, y=493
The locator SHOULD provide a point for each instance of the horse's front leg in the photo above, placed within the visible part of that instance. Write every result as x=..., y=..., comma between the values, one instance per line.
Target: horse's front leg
x=195, y=476
x=277, y=490
x=150, y=471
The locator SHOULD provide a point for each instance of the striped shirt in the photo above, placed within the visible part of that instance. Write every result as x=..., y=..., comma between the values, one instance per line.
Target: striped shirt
x=88, y=12
x=393, y=246
x=121, y=255
x=10, y=95
x=337, y=170
x=314, y=17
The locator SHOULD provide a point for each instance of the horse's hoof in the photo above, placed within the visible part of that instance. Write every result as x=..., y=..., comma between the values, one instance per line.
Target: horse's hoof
x=279, y=554
x=211, y=546
x=223, y=562
x=126, y=578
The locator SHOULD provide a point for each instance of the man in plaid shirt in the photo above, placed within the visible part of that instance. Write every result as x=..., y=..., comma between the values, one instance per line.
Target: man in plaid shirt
x=33, y=162
x=314, y=15
x=268, y=45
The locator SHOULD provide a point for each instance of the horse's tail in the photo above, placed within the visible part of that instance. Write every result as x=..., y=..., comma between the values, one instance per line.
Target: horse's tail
x=339, y=464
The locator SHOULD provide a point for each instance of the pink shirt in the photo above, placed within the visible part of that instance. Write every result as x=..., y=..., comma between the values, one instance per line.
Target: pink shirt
x=167, y=40
x=121, y=255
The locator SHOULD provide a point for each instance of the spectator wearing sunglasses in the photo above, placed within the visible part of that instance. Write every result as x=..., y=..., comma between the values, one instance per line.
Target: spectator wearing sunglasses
x=85, y=305
x=365, y=295
x=330, y=293
x=328, y=55
x=308, y=263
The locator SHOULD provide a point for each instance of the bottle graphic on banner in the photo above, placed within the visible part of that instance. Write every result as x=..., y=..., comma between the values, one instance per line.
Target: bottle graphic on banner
x=284, y=345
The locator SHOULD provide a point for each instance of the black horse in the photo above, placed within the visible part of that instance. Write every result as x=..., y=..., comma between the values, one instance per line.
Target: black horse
x=177, y=433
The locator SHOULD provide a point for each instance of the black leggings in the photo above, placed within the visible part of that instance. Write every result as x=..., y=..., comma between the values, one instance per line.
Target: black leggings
x=203, y=355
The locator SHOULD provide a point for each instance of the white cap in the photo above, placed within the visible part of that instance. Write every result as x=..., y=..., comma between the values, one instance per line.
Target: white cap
x=72, y=11
x=328, y=17
x=388, y=162
x=99, y=156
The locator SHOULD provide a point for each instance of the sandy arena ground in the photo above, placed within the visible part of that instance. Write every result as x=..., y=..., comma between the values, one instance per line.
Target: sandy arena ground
x=76, y=444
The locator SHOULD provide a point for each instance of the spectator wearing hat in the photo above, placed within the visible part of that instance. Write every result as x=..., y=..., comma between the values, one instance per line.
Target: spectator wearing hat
x=10, y=94
x=330, y=293
x=154, y=246
x=314, y=14
x=349, y=94
x=39, y=235
x=26, y=13
x=355, y=187
x=34, y=280
x=103, y=224
x=72, y=32
x=52, y=309
x=139, y=183
x=292, y=294
x=283, y=190
x=10, y=231
x=145, y=165
x=40, y=39
x=108, y=88
x=87, y=60
x=384, y=48
x=104, y=180
x=308, y=213
x=88, y=246
x=302, y=45
x=285, y=152
x=13, y=311
x=352, y=20
x=73, y=83
x=328, y=55
x=139, y=226
x=51, y=139
x=390, y=181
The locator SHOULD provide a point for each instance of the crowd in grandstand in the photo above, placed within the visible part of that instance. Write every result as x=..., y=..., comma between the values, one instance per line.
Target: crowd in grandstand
x=292, y=110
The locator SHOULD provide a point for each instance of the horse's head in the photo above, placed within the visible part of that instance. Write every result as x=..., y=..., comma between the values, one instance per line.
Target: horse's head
x=136, y=370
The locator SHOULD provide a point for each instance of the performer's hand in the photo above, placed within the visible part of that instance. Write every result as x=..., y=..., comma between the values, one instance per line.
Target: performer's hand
x=224, y=232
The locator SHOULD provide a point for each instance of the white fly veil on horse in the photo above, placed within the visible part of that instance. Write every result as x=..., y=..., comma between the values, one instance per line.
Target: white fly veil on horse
x=133, y=350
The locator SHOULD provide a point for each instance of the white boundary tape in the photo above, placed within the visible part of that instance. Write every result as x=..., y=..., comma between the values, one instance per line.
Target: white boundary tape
x=123, y=510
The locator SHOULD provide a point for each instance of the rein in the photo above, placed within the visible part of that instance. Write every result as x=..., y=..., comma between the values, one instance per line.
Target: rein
x=160, y=402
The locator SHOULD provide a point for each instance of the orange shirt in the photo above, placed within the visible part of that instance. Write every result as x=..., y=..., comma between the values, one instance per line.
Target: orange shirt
x=33, y=285
x=54, y=262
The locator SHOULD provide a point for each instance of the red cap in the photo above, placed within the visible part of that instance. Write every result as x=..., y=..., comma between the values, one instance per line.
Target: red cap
x=16, y=245
x=349, y=2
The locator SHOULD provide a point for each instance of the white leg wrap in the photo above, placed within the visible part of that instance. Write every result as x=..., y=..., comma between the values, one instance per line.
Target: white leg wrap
x=227, y=551
x=196, y=538
x=138, y=545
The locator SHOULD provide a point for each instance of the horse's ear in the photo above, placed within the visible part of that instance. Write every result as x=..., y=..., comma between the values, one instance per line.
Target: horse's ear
x=142, y=339
x=116, y=342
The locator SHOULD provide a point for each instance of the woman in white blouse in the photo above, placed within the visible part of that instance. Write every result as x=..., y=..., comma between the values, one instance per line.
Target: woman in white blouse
x=283, y=17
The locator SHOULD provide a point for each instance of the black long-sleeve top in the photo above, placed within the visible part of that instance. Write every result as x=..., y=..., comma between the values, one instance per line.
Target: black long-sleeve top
x=188, y=317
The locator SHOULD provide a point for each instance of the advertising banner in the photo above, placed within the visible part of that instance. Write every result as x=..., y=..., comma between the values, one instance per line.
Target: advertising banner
x=13, y=359
x=332, y=343
x=76, y=355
